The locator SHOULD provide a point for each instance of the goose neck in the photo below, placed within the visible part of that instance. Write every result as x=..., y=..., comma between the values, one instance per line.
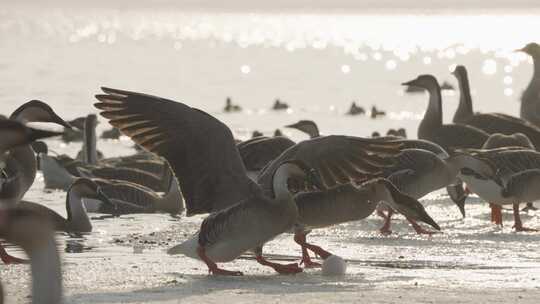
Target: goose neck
x=77, y=217
x=433, y=116
x=465, y=107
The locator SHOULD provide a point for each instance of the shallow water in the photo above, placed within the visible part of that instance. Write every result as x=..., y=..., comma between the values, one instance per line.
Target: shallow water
x=316, y=62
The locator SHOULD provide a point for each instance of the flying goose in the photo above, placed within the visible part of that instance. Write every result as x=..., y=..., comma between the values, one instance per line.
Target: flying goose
x=448, y=136
x=13, y=134
x=213, y=178
x=34, y=233
x=348, y=202
x=495, y=175
x=530, y=100
x=489, y=122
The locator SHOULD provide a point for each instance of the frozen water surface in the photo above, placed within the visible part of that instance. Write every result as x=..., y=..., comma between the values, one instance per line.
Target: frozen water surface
x=318, y=63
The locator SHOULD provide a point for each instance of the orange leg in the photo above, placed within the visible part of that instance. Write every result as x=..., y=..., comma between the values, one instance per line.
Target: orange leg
x=518, y=225
x=279, y=268
x=9, y=259
x=385, y=229
x=300, y=239
x=496, y=214
x=419, y=228
x=212, y=267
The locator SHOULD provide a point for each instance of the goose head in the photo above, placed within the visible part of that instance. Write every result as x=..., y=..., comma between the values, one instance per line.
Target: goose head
x=402, y=203
x=87, y=188
x=427, y=82
x=295, y=176
x=460, y=72
x=91, y=121
x=307, y=126
x=37, y=111
x=532, y=49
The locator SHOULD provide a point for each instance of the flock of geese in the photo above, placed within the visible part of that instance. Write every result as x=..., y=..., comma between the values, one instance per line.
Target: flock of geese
x=257, y=189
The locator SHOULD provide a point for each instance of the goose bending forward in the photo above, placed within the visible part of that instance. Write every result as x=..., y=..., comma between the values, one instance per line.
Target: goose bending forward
x=348, y=202
x=34, y=233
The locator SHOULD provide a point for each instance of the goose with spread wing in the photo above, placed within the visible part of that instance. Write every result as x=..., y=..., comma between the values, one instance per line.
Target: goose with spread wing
x=202, y=153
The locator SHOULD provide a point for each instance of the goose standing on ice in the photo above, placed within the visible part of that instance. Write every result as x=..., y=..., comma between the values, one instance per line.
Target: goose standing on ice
x=489, y=122
x=530, y=100
x=448, y=136
x=12, y=135
x=500, y=176
x=35, y=234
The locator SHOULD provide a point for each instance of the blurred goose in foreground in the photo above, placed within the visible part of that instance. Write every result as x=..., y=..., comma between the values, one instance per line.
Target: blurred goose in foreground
x=77, y=220
x=213, y=178
x=21, y=164
x=345, y=203
x=448, y=136
x=489, y=122
x=530, y=100
x=13, y=134
x=499, y=176
x=34, y=233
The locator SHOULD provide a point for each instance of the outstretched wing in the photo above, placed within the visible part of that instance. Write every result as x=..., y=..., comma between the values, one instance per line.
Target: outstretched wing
x=257, y=152
x=199, y=148
x=338, y=159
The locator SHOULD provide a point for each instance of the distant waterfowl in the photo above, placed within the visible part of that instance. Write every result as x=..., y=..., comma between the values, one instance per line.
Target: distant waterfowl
x=12, y=135
x=448, y=136
x=345, y=203
x=278, y=133
x=356, y=110
x=256, y=134
x=446, y=86
x=489, y=122
x=375, y=134
x=307, y=126
x=530, y=100
x=215, y=164
x=230, y=107
x=499, y=176
x=77, y=220
x=34, y=233
x=375, y=113
x=279, y=105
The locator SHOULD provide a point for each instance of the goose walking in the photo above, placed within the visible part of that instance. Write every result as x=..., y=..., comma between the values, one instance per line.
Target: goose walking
x=213, y=179
x=35, y=234
x=348, y=202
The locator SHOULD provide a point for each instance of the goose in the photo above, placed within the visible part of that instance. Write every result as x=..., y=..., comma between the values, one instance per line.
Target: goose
x=279, y=105
x=356, y=110
x=77, y=220
x=89, y=153
x=306, y=126
x=230, y=107
x=448, y=136
x=489, y=172
x=111, y=134
x=348, y=202
x=376, y=113
x=498, y=140
x=489, y=122
x=13, y=134
x=21, y=164
x=213, y=179
x=530, y=99
x=34, y=233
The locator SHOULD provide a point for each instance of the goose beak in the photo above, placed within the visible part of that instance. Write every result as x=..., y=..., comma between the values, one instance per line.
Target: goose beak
x=58, y=120
x=519, y=50
x=458, y=196
x=408, y=83
x=410, y=208
x=292, y=126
